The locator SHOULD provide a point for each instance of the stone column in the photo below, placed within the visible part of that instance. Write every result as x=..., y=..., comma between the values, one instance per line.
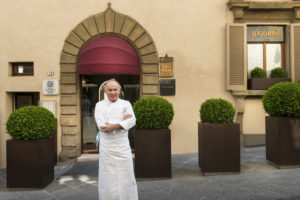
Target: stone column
x=240, y=109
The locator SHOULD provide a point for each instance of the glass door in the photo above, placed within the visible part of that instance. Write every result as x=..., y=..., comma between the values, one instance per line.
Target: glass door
x=89, y=127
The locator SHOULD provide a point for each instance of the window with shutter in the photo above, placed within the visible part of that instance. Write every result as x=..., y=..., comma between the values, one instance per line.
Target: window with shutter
x=295, y=52
x=266, y=47
x=236, y=64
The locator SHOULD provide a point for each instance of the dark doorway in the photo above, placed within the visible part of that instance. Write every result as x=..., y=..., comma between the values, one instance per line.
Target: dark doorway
x=22, y=99
x=92, y=93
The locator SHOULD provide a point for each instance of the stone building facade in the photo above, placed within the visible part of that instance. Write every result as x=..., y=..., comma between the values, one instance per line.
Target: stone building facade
x=206, y=39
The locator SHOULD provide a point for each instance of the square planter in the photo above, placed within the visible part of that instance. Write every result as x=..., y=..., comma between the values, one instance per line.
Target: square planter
x=55, y=147
x=152, y=153
x=283, y=141
x=264, y=83
x=30, y=164
x=219, y=147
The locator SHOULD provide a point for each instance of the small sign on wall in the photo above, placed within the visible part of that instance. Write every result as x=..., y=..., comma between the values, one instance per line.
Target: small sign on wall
x=166, y=67
x=50, y=87
x=167, y=87
x=50, y=105
x=265, y=34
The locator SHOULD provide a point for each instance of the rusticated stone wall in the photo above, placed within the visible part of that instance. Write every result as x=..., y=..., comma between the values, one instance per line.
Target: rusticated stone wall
x=105, y=23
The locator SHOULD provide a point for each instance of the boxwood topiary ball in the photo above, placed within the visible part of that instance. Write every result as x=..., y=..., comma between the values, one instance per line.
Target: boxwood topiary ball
x=153, y=113
x=217, y=111
x=257, y=72
x=31, y=123
x=282, y=100
x=278, y=72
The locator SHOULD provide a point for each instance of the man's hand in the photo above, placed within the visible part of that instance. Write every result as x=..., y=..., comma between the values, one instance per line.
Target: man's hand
x=127, y=117
x=110, y=127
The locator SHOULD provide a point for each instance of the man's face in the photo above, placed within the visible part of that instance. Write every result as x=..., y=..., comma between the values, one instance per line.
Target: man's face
x=112, y=91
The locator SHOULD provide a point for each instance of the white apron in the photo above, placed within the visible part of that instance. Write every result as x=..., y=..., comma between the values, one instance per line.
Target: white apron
x=116, y=175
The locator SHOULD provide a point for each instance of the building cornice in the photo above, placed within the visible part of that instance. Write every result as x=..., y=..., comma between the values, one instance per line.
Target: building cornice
x=263, y=4
x=245, y=10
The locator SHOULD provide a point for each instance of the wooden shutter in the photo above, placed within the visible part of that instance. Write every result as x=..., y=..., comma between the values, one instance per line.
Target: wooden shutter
x=236, y=57
x=295, y=52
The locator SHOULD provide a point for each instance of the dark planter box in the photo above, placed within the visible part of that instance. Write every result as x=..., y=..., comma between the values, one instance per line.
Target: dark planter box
x=264, y=83
x=283, y=140
x=30, y=164
x=152, y=153
x=219, y=147
x=55, y=147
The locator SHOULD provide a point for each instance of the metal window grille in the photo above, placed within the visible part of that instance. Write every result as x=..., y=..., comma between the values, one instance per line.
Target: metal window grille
x=23, y=69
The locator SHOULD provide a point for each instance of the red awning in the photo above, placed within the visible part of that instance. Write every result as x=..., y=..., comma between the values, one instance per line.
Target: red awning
x=108, y=55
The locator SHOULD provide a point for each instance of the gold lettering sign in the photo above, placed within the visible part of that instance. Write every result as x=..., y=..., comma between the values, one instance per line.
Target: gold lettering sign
x=163, y=86
x=265, y=33
x=166, y=67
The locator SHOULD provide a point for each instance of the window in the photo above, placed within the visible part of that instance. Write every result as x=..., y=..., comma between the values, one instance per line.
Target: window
x=265, y=55
x=266, y=48
x=244, y=52
x=22, y=68
x=25, y=99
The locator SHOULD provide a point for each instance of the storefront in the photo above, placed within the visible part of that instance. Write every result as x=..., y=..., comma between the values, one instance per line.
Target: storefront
x=265, y=35
x=59, y=54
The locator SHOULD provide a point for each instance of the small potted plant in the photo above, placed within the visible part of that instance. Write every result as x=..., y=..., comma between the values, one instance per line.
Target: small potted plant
x=257, y=72
x=30, y=153
x=278, y=72
x=218, y=138
x=152, y=137
x=258, y=81
x=282, y=103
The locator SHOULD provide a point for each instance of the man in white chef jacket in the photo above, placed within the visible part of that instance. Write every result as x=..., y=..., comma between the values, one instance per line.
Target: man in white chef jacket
x=114, y=117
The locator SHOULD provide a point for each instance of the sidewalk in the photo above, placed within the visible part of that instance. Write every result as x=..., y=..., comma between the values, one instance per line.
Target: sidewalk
x=258, y=180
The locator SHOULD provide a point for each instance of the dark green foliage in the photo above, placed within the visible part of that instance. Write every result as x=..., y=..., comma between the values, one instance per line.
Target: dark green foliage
x=217, y=111
x=282, y=100
x=278, y=72
x=257, y=72
x=153, y=113
x=31, y=123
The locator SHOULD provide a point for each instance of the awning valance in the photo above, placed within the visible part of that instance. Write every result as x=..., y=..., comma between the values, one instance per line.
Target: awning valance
x=108, y=55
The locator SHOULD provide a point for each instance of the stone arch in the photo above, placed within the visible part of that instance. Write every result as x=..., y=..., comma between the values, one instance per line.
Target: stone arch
x=104, y=23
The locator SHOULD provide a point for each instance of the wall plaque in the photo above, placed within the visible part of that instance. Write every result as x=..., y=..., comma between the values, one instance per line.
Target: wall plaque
x=50, y=87
x=50, y=105
x=167, y=87
x=265, y=33
x=166, y=67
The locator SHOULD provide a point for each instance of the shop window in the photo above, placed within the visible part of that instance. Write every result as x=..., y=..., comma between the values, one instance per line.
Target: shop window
x=265, y=48
x=265, y=55
x=22, y=68
x=25, y=99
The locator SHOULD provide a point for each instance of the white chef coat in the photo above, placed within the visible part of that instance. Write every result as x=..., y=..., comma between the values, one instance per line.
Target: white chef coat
x=116, y=175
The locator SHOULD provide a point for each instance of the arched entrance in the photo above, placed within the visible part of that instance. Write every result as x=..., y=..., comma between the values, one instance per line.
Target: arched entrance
x=103, y=58
x=107, y=23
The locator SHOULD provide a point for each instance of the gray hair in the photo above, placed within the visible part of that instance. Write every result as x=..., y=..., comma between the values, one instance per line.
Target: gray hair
x=111, y=81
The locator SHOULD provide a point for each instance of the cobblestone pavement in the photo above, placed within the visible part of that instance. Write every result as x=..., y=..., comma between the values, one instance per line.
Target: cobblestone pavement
x=258, y=180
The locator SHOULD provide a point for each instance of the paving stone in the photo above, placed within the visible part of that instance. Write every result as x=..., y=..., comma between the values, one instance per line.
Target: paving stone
x=258, y=180
x=12, y=196
x=36, y=195
x=73, y=194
